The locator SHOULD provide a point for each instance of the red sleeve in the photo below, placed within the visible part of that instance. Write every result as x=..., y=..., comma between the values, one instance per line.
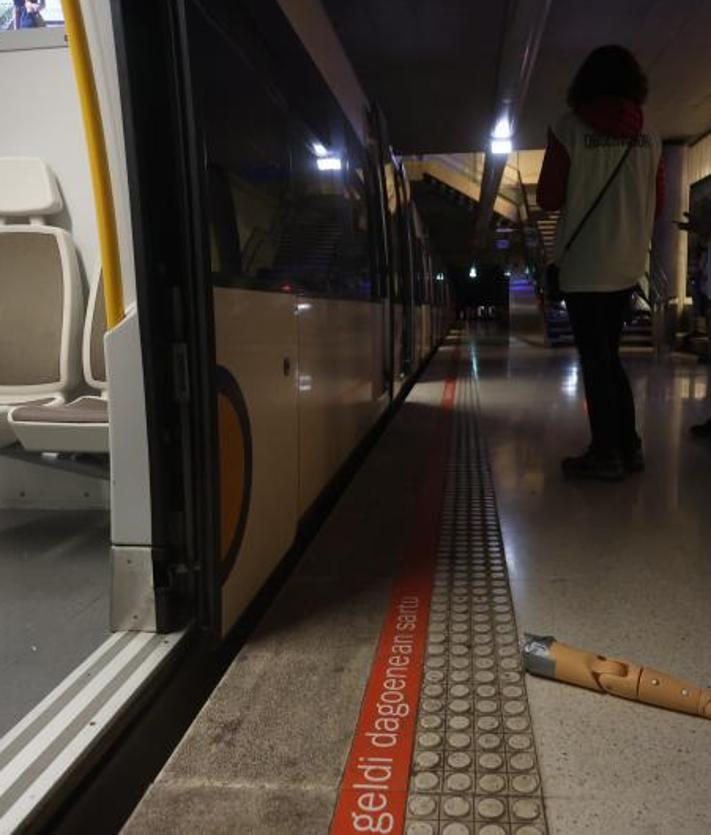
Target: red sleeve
x=661, y=192
x=553, y=180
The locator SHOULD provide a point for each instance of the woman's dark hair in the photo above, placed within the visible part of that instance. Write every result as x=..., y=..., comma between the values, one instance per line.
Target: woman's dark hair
x=608, y=71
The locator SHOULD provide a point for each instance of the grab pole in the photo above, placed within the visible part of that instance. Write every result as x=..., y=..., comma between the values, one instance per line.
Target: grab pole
x=98, y=161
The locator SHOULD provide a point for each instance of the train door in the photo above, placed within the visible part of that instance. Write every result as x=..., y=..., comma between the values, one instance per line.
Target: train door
x=241, y=160
x=76, y=488
x=282, y=314
x=90, y=528
x=395, y=273
x=390, y=251
x=381, y=258
x=408, y=330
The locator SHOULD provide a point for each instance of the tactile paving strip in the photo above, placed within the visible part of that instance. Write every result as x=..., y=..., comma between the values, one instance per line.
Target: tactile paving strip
x=474, y=768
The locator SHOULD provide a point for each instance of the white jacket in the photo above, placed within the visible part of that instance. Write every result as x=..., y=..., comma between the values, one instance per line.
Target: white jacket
x=610, y=253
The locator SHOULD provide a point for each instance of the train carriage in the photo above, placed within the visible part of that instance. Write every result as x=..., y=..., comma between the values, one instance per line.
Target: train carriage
x=215, y=286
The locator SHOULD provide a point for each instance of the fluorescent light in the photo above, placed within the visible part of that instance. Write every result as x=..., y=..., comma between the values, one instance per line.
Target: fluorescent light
x=319, y=149
x=501, y=146
x=503, y=129
x=329, y=164
x=502, y=136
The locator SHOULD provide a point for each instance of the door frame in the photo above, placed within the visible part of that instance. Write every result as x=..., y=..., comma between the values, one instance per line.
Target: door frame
x=174, y=298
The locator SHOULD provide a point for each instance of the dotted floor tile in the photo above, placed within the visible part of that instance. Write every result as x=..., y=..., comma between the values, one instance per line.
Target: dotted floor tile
x=474, y=768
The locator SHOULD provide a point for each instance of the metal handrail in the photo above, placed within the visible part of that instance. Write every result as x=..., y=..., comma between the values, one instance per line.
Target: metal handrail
x=98, y=161
x=542, y=257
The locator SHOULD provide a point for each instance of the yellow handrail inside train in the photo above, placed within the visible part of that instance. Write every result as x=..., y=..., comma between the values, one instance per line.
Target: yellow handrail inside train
x=98, y=161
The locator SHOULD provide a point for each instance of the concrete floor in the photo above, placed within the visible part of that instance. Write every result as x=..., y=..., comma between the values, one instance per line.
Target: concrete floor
x=623, y=569
x=54, y=571
x=267, y=752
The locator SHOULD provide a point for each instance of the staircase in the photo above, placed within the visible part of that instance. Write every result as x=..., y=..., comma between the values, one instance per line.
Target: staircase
x=544, y=222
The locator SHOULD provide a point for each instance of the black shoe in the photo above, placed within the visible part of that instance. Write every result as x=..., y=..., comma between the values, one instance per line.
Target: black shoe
x=701, y=430
x=594, y=465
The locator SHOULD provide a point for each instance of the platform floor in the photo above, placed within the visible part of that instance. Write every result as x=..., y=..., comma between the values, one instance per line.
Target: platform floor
x=54, y=601
x=622, y=569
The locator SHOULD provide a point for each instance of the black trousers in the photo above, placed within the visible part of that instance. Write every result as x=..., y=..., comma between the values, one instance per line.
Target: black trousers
x=597, y=320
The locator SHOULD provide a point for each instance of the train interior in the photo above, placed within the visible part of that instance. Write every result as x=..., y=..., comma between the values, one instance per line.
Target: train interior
x=61, y=498
x=55, y=513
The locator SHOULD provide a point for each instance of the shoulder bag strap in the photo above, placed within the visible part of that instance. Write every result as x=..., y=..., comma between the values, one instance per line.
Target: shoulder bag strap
x=594, y=206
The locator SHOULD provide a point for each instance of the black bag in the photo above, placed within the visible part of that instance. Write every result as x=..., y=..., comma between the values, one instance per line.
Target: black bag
x=553, y=291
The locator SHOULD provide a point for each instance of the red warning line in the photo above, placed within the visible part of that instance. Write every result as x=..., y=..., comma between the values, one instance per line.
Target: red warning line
x=373, y=791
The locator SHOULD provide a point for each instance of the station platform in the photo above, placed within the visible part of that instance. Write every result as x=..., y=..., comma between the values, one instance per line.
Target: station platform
x=384, y=690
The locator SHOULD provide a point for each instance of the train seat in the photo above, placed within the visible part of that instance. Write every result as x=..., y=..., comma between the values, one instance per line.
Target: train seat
x=41, y=300
x=81, y=425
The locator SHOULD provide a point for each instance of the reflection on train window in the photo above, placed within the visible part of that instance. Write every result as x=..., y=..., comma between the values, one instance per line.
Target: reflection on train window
x=394, y=238
x=418, y=269
x=245, y=135
x=327, y=246
x=19, y=14
x=288, y=210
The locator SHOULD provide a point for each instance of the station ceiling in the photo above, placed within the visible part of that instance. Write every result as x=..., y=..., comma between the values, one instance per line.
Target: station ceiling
x=432, y=64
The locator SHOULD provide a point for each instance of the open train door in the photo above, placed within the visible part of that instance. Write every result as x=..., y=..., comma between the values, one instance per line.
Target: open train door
x=404, y=199
x=231, y=333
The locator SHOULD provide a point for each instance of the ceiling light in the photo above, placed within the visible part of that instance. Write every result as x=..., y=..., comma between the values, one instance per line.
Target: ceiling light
x=329, y=164
x=319, y=149
x=503, y=129
x=501, y=137
x=501, y=146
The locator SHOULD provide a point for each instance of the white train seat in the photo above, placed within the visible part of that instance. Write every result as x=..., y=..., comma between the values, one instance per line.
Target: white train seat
x=41, y=303
x=83, y=424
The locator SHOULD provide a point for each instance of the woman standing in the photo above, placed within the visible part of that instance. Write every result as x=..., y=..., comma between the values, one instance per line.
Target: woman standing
x=603, y=169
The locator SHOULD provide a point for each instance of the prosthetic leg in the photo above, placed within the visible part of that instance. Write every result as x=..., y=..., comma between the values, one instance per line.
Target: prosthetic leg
x=544, y=656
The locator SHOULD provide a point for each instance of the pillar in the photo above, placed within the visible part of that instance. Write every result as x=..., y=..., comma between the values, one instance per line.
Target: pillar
x=670, y=244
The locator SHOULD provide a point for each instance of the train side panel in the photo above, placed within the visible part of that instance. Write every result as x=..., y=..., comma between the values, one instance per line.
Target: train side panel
x=256, y=347
x=341, y=390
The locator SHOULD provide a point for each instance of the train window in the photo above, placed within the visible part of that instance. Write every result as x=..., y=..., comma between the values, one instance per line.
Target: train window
x=325, y=245
x=248, y=189
x=245, y=134
x=315, y=222
x=16, y=15
x=287, y=205
x=287, y=208
x=356, y=276
x=329, y=231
